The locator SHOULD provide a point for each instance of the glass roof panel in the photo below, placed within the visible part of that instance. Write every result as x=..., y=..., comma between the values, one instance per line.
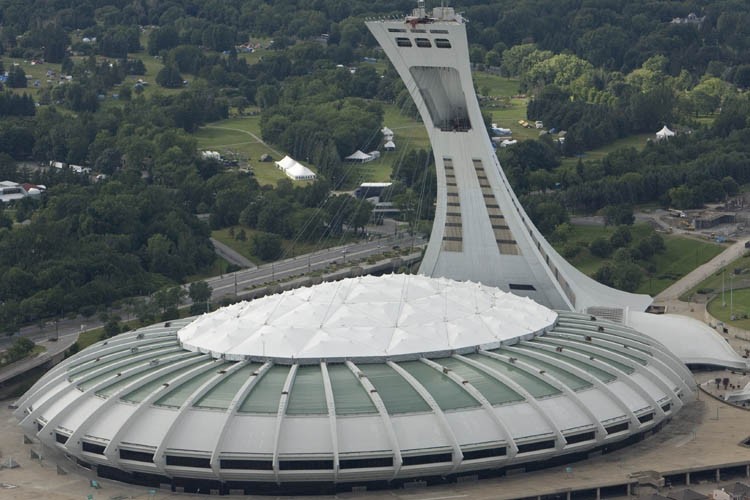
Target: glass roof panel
x=582, y=349
x=128, y=360
x=495, y=391
x=122, y=381
x=265, y=396
x=519, y=349
x=447, y=393
x=308, y=395
x=532, y=383
x=348, y=394
x=396, y=393
x=177, y=396
x=220, y=396
x=139, y=394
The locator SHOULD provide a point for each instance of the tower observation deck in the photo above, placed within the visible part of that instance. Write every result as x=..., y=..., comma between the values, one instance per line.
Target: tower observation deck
x=481, y=232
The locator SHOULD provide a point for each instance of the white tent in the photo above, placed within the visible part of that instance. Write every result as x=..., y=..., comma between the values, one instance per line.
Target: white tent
x=387, y=133
x=389, y=146
x=664, y=133
x=294, y=169
x=359, y=157
x=300, y=172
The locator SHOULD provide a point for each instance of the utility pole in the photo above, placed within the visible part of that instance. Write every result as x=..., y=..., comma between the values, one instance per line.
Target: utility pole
x=235, y=283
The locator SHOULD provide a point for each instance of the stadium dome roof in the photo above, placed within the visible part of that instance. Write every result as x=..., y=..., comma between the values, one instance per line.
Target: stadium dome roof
x=508, y=382
x=404, y=317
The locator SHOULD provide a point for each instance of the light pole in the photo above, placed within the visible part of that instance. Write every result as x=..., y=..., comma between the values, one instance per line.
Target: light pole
x=723, y=298
x=731, y=297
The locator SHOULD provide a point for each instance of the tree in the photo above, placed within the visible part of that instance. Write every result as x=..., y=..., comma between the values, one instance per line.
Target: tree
x=169, y=77
x=600, y=247
x=621, y=237
x=16, y=78
x=267, y=246
x=200, y=293
x=616, y=215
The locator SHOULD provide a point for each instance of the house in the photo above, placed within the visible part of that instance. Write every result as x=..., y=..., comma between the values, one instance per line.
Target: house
x=389, y=146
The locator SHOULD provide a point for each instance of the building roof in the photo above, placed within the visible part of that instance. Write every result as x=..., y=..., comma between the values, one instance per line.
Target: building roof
x=404, y=316
x=694, y=342
x=143, y=402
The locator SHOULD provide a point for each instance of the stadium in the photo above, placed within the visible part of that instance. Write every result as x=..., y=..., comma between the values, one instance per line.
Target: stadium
x=368, y=381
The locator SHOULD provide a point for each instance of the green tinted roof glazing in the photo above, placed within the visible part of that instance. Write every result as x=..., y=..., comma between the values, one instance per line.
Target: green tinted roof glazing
x=139, y=394
x=177, y=396
x=617, y=349
x=447, y=393
x=573, y=381
x=397, y=395
x=492, y=389
x=265, y=395
x=349, y=396
x=118, y=357
x=534, y=384
x=128, y=364
x=572, y=334
x=582, y=349
x=308, y=396
x=220, y=396
x=124, y=380
x=519, y=349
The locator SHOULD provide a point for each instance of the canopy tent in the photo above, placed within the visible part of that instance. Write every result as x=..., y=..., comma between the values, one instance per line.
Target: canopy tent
x=664, y=133
x=295, y=170
x=387, y=133
x=389, y=146
x=359, y=157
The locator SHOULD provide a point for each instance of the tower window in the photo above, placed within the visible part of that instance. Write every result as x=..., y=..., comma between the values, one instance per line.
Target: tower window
x=423, y=42
x=397, y=30
x=403, y=42
x=442, y=43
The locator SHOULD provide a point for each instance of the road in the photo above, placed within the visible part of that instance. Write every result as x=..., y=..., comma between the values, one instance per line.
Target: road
x=236, y=283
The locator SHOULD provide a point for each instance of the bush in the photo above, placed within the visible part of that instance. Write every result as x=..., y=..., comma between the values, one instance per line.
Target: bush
x=600, y=247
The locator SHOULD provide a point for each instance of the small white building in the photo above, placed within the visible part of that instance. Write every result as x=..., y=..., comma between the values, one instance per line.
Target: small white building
x=389, y=146
x=387, y=134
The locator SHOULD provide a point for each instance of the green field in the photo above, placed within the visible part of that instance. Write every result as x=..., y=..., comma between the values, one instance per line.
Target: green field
x=736, y=302
x=240, y=138
x=681, y=256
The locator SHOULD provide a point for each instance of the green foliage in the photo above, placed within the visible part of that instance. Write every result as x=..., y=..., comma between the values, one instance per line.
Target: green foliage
x=19, y=349
x=267, y=246
x=169, y=77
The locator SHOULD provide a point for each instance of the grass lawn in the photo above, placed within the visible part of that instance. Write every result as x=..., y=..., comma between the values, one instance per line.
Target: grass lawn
x=738, y=304
x=736, y=275
x=681, y=255
x=637, y=141
x=239, y=137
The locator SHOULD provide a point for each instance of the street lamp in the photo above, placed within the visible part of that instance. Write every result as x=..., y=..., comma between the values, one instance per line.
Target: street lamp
x=731, y=297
